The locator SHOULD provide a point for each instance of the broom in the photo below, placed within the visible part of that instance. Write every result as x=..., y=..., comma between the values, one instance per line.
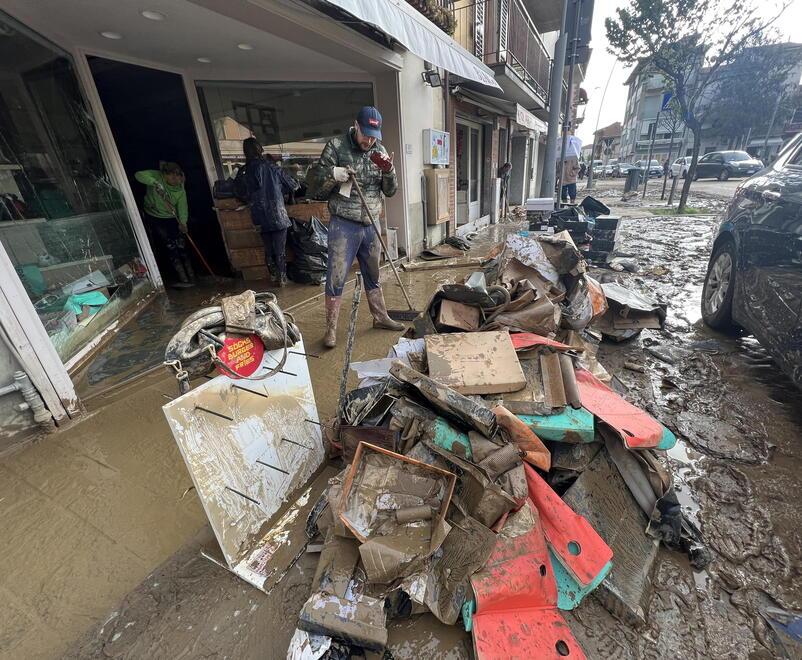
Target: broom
x=395, y=314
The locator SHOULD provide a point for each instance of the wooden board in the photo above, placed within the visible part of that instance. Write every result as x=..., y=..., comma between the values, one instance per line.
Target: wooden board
x=241, y=496
x=474, y=362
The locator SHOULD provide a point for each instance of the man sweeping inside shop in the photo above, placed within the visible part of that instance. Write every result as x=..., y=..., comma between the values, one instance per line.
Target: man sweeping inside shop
x=358, y=152
x=166, y=216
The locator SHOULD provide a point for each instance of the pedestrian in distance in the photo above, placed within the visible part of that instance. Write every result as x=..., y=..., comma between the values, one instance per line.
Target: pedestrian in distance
x=570, y=172
x=504, y=173
x=358, y=153
x=583, y=170
x=166, y=217
x=266, y=185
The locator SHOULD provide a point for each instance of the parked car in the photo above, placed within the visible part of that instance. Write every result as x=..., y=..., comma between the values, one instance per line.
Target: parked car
x=608, y=170
x=655, y=168
x=680, y=167
x=621, y=169
x=754, y=276
x=722, y=165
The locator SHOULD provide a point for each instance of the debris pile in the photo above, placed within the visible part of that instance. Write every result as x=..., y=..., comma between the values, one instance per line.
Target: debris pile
x=492, y=477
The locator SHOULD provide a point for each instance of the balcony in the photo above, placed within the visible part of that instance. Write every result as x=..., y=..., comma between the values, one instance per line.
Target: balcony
x=502, y=35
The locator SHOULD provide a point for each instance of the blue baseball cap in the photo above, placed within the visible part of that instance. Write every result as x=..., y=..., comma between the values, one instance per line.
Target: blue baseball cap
x=370, y=122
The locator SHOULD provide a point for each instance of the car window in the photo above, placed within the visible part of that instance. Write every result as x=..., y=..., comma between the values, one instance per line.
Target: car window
x=706, y=158
x=737, y=155
x=796, y=158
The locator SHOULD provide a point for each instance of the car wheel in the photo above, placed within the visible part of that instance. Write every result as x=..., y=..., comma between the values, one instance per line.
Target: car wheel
x=724, y=174
x=719, y=288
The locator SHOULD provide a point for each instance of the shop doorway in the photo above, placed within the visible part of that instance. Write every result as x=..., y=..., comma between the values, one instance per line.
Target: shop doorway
x=150, y=120
x=469, y=172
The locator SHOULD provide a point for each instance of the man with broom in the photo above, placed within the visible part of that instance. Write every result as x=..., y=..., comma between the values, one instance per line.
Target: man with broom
x=359, y=153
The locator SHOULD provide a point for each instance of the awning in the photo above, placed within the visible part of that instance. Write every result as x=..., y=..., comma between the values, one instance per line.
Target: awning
x=504, y=107
x=419, y=35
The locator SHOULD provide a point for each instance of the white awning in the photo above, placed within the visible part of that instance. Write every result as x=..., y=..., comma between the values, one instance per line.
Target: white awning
x=419, y=35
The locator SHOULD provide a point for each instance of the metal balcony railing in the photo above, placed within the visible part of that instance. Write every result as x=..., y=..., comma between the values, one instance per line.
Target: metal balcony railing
x=497, y=31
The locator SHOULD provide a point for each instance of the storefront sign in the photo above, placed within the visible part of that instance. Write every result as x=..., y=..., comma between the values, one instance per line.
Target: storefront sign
x=527, y=119
x=241, y=354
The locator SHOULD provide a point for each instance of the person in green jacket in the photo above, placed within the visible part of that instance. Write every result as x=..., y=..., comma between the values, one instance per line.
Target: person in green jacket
x=166, y=215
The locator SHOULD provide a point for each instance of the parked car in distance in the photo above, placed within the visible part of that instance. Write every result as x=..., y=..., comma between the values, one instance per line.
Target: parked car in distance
x=608, y=170
x=655, y=169
x=722, y=165
x=680, y=167
x=622, y=169
x=754, y=276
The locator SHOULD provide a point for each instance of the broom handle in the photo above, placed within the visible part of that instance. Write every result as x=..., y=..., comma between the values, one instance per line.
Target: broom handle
x=381, y=240
x=172, y=210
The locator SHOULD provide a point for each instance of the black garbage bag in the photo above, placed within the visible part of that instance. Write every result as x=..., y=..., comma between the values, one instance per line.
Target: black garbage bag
x=593, y=207
x=310, y=246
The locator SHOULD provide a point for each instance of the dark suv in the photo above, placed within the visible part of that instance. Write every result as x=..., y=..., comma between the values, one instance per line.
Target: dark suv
x=754, y=278
x=722, y=165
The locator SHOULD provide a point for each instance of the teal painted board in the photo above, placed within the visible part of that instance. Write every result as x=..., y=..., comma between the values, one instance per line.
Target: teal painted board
x=451, y=439
x=569, y=592
x=571, y=425
x=668, y=440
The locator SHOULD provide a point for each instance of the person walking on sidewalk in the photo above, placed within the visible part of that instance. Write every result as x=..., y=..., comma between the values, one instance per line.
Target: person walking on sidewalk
x=267, y=184
x=570, y=172
x=166, y=216
x=358, y=152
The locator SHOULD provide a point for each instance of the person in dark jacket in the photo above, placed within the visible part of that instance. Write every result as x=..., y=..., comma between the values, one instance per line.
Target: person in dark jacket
x=358, y=152
x=267, y=184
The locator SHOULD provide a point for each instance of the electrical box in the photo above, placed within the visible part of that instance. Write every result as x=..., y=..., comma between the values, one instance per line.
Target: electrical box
x=436, y=147
x=436, y=196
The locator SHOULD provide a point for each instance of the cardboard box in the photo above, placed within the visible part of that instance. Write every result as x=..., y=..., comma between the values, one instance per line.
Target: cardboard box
x=457, y=315
x=475, y=362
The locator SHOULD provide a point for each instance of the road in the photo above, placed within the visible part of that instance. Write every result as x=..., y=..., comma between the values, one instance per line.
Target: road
x=707, y=187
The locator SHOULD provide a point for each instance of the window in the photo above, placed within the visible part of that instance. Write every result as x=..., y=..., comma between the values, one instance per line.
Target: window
x=62, y=220
x=291, y=120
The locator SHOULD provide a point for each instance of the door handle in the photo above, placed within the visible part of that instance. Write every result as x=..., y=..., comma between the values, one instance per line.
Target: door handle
x=771, y=195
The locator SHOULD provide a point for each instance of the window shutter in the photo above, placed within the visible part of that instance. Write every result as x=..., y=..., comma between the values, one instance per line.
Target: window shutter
x=479, y=38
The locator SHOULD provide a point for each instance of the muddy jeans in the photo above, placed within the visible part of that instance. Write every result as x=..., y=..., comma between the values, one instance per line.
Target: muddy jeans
x=275, y=251
x=164, y=233
x=348, y=239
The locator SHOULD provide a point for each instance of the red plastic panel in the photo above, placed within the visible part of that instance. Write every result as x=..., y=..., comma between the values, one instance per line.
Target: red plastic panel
x=517, y=575
x=526, y=340
x=638, y=429
x=582, y=552
x=529, y=634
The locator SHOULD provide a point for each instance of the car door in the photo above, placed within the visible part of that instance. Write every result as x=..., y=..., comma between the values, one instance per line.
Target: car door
x=770, y=263
x=703, y=166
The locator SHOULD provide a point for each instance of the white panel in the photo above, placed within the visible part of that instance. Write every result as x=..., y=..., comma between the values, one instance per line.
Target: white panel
x=226, y=457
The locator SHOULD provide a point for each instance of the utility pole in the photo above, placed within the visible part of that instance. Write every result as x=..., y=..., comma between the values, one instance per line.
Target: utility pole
x=589, y=184
x=569, y=99
x=555, y=101
x=771, y=128
x=651, y=149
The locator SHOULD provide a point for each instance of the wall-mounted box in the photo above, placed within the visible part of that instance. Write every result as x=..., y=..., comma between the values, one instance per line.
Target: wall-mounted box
x=436, y=147
x=436, y=196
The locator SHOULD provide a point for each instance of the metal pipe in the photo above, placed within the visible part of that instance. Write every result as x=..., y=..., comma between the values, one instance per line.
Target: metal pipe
x=547, y=183
x=33, y=400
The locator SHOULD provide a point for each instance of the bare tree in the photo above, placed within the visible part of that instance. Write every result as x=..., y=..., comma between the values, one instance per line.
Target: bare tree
x=688, y=41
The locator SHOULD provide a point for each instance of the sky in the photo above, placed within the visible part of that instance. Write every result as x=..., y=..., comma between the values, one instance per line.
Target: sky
x=604, y=67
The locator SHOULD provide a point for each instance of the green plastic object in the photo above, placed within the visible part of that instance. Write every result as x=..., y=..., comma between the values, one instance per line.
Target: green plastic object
x=668, y=440
x=571, y=425
x=451, y=439
x=468, y=609
x=569, y=592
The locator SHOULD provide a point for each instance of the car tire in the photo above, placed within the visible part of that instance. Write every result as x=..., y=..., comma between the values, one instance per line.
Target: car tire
x=719, y=288
x=724, y=174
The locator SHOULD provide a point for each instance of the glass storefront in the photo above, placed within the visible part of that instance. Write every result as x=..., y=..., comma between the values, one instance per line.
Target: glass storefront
x=62, y=221
x=292, y=120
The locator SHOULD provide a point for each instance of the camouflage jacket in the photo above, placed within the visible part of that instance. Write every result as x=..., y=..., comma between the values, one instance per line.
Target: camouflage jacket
x=343, y=151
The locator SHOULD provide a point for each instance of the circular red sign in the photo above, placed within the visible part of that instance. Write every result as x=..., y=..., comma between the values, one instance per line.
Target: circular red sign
x=242, y=354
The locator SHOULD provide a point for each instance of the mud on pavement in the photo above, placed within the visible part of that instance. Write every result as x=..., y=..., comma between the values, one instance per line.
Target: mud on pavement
x=737, y=462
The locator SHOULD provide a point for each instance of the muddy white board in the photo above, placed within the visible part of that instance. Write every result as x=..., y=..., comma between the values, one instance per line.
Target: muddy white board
x=248, y=455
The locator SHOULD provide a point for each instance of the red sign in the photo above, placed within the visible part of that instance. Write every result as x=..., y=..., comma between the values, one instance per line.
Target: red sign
x=242, y=355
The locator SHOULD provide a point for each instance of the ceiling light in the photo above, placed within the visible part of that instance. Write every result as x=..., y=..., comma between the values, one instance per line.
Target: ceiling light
x=153, y=15
x=111, y=35
x=245, y=46
x=204, y=60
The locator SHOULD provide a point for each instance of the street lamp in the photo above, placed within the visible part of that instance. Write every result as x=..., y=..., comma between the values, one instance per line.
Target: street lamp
x=589, y=185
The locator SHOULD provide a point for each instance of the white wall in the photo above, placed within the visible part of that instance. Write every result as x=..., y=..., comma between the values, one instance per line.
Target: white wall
x=421, y=108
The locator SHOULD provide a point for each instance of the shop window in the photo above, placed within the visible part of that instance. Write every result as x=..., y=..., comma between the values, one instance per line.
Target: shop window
x=293, y=121
x=63, y=224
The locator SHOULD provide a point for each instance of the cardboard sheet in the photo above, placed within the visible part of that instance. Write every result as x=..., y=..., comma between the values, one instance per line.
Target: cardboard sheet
x=253, y=425
x=474, y=362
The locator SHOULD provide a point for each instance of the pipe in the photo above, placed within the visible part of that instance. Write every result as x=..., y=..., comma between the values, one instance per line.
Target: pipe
x=424, y=206
x=33, y=400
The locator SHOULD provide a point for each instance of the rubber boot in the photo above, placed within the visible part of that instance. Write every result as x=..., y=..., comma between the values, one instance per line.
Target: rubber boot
x=332, y=313
x=379, y=311
x=188, y=268
x=181, y=273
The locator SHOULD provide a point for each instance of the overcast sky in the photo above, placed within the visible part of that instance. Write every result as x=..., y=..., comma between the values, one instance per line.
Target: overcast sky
x=604, y=66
